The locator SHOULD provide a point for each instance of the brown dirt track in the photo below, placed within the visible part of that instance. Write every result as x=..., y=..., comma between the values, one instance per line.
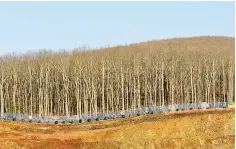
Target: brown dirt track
x=192, y=129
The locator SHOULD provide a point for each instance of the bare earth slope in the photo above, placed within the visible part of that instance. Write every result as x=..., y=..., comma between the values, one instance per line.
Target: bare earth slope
x=193, y=129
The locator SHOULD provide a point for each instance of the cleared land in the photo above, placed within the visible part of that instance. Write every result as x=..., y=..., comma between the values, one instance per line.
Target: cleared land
x=191, y=129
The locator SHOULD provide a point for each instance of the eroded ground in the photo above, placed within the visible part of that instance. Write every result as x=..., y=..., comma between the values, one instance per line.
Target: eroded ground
x=193, y=129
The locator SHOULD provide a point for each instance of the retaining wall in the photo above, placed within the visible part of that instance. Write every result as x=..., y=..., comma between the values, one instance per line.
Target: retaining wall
x=110, y=115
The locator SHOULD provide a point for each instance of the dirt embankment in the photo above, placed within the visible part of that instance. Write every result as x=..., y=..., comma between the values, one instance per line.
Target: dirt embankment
x=195, y=129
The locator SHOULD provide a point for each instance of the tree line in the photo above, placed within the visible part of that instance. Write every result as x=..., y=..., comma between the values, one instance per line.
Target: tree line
x=118, y=78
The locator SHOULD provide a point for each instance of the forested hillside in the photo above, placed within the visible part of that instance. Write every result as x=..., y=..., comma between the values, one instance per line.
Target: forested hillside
x=181, y=70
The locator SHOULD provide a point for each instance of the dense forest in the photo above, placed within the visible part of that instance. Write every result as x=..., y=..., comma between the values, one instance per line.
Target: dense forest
x=85, y=81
